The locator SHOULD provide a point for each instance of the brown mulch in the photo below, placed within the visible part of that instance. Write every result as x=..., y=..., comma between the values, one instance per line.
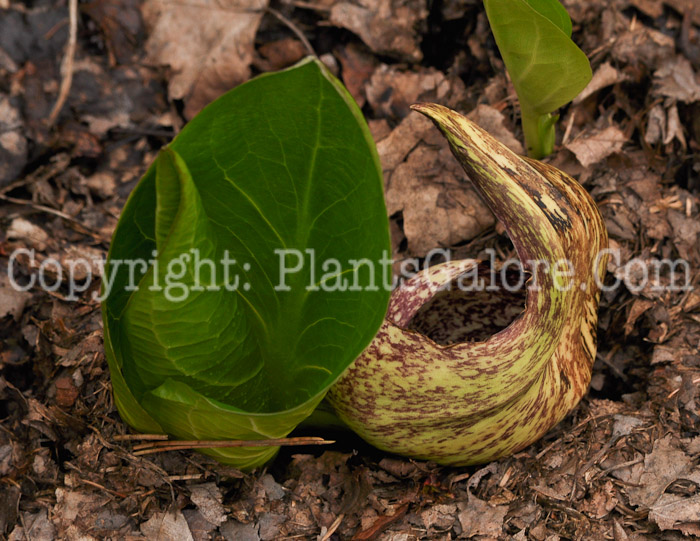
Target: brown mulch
x=623, y=465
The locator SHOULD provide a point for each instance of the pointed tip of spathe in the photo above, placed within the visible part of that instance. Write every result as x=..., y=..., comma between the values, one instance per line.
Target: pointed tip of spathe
x=432, y=110
x=454, y=126
x=419, y=106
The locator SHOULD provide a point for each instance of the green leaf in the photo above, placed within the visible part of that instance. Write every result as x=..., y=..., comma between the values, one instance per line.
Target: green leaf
x=278, y=184
x=547, y=69
x=554, y=11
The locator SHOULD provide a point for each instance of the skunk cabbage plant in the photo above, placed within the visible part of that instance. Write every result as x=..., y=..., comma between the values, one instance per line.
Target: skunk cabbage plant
x=247, y=279
x=432, y=384
x=548, y=70
x=242, y=276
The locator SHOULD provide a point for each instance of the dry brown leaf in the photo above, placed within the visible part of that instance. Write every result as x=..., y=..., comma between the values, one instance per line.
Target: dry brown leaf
x=207, y=497
x=480, y=518
x=66, y=391
x=200, y=528
x=595, y=147
x=656, y=125
x=358, y=66
x=81, y=262
x=233, y=530
x=638, y=43
x=13, y=144
x=560, y=491
x=644, y=184
x=605, y=75
x=276, y=55
x=601, y=406
x=692, y=301
x=424, y=182
x=676, y=79
x=208, y=45
x=639, y=306
x=440, y=517
x=493, y=121
x=75, y=510
x=35, y=526
x=394, y=148
x=103, y=184
x=392, y=91
x=24, y=230
x=675, y=512
x=625, y=424
x=692, y=446
x=440, y=208
x=647, y=484
x=686, y=235
x=674, y=128
x=619, y=533
x=388, y=27
x=602, y=501
x=170, y=526
x=12, y=301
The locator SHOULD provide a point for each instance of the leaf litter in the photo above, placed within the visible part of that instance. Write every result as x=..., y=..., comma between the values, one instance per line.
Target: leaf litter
x=623, y=465
x=217, y=53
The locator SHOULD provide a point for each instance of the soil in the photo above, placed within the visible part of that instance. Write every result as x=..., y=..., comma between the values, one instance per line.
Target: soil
x=623, y=465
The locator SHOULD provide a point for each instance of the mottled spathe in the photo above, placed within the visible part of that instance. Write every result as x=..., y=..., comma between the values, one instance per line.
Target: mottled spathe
x=474, y=402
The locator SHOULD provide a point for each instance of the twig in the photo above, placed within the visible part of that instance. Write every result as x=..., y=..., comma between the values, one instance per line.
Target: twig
x=333, y=527
x=36, y=206
x=104, y=489
x=543, y=499
x=606, y=360
x=180, y=445
x=188, y=477
x=143, y=131
x=294, y=28
x=380, y=524
x=68, y=59
x=623, y=465
x=77, y=224
x=140, y=437
x=675, y=391
x=311, y=5
x=569, y=126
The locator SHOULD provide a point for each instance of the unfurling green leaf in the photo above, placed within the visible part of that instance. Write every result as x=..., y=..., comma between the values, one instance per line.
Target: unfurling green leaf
x=548, y=70
x=220, y=320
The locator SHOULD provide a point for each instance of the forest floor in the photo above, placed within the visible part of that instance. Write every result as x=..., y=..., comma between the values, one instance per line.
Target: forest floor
x=623, y=465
